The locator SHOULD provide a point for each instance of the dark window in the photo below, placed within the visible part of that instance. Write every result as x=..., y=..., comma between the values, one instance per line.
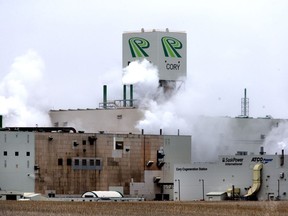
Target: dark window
x=119, y=145
x=84, y=142
x=5, y=153
x=98, y=162
x=76, y=162
x=27, y=153
x=69, y=162
x=16, y=153
x=91, y=162
x=84, y=162
x=60, y=162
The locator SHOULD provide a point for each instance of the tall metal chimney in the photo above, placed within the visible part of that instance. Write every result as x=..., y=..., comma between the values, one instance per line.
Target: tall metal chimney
x=131, y=95
x=104, y=96
x=124, y=95
x=282, y=158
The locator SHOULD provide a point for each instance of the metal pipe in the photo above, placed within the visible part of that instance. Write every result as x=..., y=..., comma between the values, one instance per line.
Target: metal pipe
x=105, y=96
x=131, y=95
x=278, y=189
x=124, y=95
x=245, y=103
x=179, y=189
x=202, y=180
x=203, y=189
x=282, y=158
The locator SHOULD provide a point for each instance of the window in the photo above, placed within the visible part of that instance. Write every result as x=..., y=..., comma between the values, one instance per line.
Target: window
x=84, y=142
x=88, y=163
x=27, y=153
x=5, y=153
x=28, y=164
x=69, y=162
x=119, y=145
x=84, y=162
x=60, y=162
x=98, y=162
x=16, y=153
x=91, y=162
x=5, y=163
x=76, y=162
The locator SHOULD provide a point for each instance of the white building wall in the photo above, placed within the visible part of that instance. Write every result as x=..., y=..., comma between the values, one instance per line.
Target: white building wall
x=189, y=179
x=17, y=150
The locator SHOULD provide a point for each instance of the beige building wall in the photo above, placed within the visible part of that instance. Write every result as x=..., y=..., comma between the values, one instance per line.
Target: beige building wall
x=118, y=166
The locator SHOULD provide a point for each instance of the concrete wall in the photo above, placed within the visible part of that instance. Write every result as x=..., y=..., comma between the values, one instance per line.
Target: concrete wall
x=17, y=158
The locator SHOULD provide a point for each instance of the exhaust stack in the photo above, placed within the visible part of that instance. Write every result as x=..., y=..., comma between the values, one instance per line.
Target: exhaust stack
x=124, y=96
x=104, y=96
x=131, y=95
x=282, y=158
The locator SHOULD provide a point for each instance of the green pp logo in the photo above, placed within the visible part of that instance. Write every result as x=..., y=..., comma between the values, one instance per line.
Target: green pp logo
x=170, y=45
x=137, y=46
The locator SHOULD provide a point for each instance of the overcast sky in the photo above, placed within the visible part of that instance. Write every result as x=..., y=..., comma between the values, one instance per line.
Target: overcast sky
x=232, y=45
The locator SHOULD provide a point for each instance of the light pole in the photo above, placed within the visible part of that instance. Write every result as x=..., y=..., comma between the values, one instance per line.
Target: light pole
x=202, y=180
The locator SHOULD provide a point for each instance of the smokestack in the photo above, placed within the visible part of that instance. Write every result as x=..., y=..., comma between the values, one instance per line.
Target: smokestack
x=131, y=95
x=282, y=158
x=124, y=95
x=160, y=131
x=1, y=118
x=105, y=96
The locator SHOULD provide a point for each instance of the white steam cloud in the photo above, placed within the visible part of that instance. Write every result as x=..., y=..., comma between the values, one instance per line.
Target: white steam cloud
x=178, y=113
x=22, y=97
x=144, y=77
x=277, y=139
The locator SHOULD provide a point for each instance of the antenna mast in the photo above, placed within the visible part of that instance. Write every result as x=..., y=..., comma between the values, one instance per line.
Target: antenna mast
x=245, y=105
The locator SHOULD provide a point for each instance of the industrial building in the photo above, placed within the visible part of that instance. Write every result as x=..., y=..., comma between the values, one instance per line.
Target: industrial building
x=235, y=177
x=56, y=162
x=100, y=149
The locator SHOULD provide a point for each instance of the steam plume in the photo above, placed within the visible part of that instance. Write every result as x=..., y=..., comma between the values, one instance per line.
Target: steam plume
x=178, y=113
x=277, y=139
x=21, y=93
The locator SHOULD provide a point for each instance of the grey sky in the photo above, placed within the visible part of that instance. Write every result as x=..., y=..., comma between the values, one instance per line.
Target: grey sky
x=232, y=45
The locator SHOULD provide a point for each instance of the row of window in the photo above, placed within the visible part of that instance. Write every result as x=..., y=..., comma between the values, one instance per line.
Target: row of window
x=87, y=162
x=16, y=153
x=80, y=162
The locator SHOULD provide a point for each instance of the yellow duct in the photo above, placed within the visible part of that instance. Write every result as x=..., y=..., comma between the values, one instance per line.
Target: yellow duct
x=256, y=180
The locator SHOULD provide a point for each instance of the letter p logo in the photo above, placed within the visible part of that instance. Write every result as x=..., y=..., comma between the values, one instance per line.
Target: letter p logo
x=137, y=46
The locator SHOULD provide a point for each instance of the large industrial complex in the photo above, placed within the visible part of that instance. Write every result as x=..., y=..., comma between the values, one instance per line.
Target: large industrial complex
x=89, y=151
